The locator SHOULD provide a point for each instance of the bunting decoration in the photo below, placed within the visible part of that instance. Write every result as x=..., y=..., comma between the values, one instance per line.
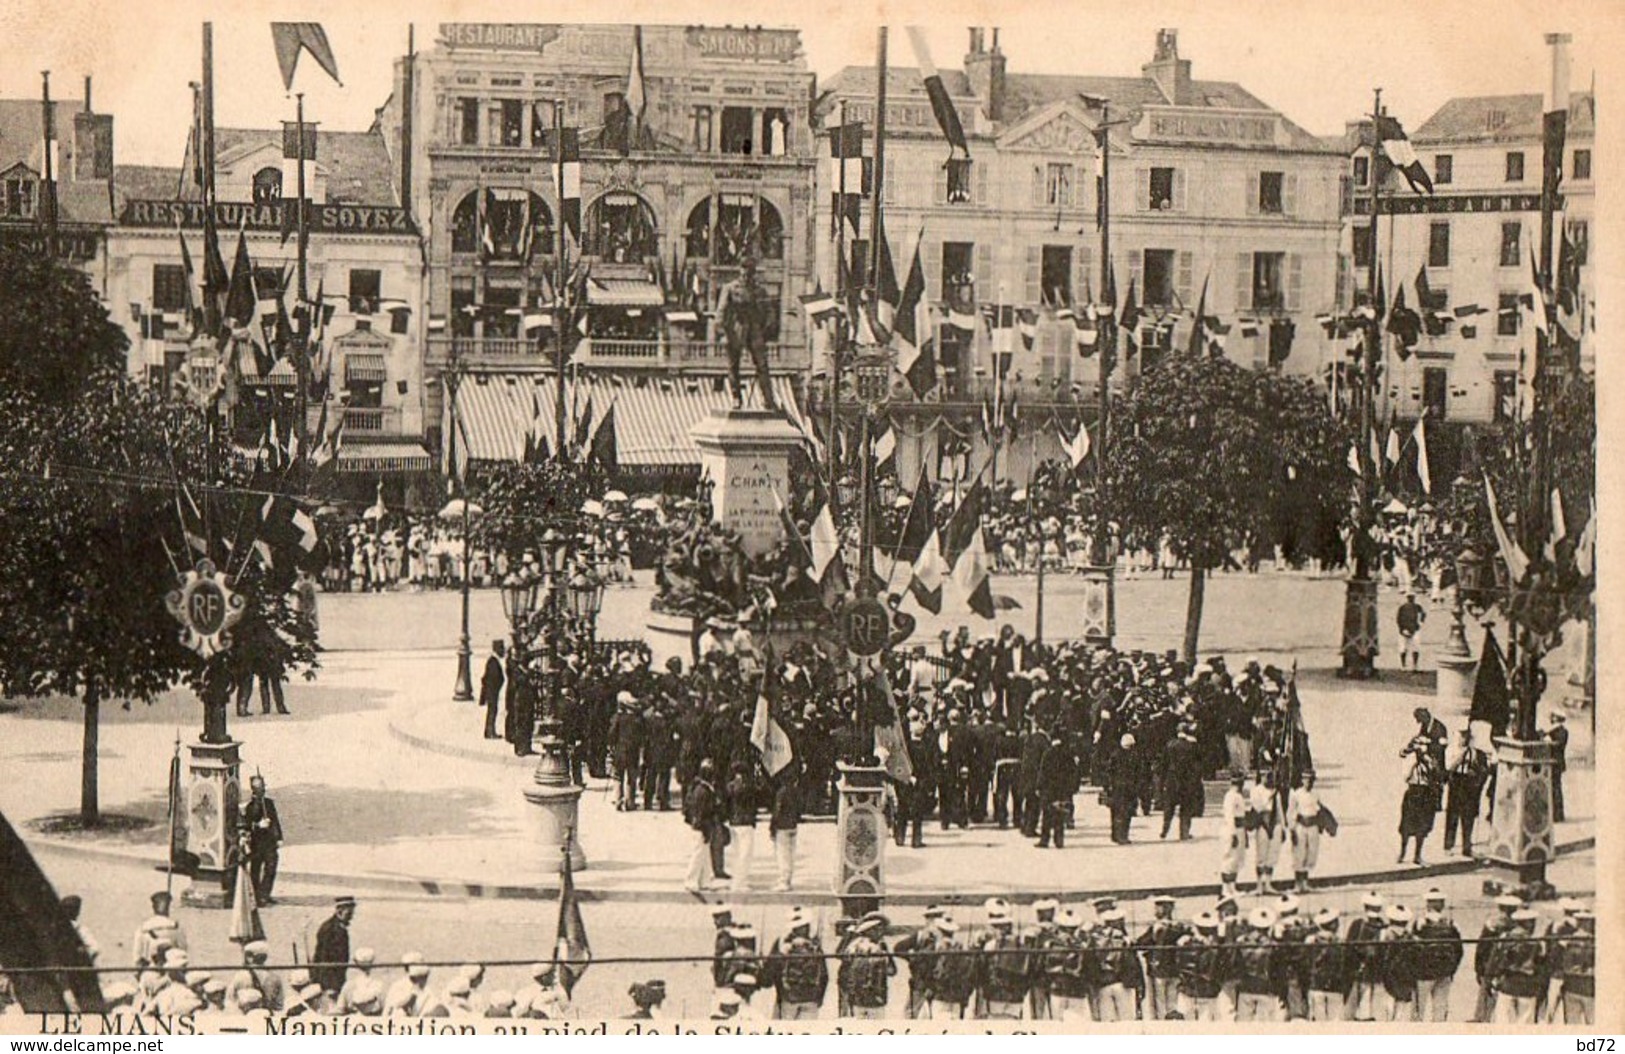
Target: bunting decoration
x=293, y=38
x=1396, y=147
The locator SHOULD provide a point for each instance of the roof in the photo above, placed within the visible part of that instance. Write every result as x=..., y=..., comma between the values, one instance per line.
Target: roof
x=1026, y=92
x=22, y=136
x=357, y=164
x=1498, y=118
x=145, y=183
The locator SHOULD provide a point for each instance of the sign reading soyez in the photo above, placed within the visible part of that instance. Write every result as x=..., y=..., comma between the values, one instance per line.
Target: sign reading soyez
x=347, y=219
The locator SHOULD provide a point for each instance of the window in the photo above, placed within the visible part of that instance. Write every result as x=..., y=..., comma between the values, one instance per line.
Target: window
x=1580, y=237
x=1162, y=188
x=1362, y=246
x=1058, y=184
x=1507, y=315
x=268, y=186
x=1514, y=166
x=168, y=287
x=463, y=307
x=1435, y=391
x=499, y=320
x=1506, y=395
x=1269, y=291
x=1055, y=275
x=365, y=290
x=493, y=124
x=513, y=122
x=736, y=129
x=1439, y=244
x=775, y=132
x=18, y=198
x=958, y=274
x=1582, y=164
x=468, y=121
x=1443, y=169
x=1159, y=277
x=1362, y=171
x=541, y=122
x=1511, y=244
x=1269, y=192
x=702, y=129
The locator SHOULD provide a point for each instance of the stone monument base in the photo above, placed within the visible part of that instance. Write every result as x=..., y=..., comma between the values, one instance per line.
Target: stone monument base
x=213, y=793
x=746, y=456
x=1099, y=606
x=1360, y=630
x=860, y=839
x=1522, y=838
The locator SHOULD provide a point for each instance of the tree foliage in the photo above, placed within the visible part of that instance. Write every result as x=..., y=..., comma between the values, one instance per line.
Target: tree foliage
x=522, y=501
x=57, y=335
x=1220, y=458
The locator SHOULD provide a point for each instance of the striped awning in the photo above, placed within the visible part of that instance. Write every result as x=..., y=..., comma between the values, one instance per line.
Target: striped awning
x=365, y=367
x=282, y=374
x=653, y=415
x=624, y=292
x=357, y=455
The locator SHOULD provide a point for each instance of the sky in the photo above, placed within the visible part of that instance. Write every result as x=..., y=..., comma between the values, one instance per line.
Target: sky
x=1315, y=61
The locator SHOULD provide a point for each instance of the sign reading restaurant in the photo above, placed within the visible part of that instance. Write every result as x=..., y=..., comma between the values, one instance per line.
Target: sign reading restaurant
x=498, y=36
x=333, y=219
x=737, y=43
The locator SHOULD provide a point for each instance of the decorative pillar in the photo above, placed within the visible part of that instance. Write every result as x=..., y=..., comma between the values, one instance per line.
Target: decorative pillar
x=1099, y=607
x=1454, y=687
x=1360, y=630
x=860, y=839
x=746, y=455
x=213, y=792
x=558, y=801
x=1522, y=837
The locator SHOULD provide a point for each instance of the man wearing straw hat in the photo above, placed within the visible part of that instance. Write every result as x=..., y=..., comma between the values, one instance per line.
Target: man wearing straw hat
x=797, y=971
x=331, y=958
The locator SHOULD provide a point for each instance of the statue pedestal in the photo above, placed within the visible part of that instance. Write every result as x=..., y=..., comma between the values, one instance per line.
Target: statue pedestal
x=746, y=456
x=1522, y=837
x=1360, y=630
x=860, y=839
x=1454, y=689
x=213, y=792
x=1099, y=607
x=558, y=802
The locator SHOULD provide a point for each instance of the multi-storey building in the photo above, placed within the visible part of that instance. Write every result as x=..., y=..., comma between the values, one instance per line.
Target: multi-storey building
x=718, y=159
x=1471, y=243
x=1210, y=188
x=81, y=174
x=364, y=259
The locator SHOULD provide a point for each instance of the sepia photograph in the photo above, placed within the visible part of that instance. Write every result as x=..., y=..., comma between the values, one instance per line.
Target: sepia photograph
x=725, y=518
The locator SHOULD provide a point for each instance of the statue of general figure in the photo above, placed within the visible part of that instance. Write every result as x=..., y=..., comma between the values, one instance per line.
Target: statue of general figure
x=743, y=306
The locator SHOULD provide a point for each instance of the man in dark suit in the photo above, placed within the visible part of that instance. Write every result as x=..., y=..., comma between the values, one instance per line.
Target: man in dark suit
x=1558, y=733
x=264, y=839
x=491, y=683
x=330, y=960
x=1057, y=783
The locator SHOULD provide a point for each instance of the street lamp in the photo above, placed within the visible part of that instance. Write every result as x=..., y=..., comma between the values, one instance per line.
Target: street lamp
x=1469, y=565
x=552, y=788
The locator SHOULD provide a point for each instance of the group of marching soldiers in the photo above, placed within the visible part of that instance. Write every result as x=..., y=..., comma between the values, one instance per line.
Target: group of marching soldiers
x=1278, y=962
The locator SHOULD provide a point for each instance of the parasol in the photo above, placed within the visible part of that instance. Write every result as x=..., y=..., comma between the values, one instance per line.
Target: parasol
x=646, y=505
x=454, y=510
x=615, y=495
x=592, y=507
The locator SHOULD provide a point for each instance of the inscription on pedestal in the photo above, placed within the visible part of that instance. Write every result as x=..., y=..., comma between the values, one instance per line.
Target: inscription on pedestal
x=746, y=456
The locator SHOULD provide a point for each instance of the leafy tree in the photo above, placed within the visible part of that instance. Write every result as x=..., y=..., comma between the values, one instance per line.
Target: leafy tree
x=522, y=501
x=1215, y=456
x=57, y=334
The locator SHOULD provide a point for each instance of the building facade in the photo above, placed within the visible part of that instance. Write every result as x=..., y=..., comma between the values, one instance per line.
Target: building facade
x=80, y=184
x=1471, y=243
x=716, y=158
x=1214, y=197
x=364, y=259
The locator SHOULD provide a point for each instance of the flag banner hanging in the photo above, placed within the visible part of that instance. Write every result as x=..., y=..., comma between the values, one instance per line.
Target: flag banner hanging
x=1394, y=144
x=292, y=38
x=769, y=738
x=911, y=330
x=941, y=106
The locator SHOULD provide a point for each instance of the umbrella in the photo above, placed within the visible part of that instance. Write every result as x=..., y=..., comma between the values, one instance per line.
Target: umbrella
x=328, y=510
x=374, y=512
x=1395, y=507
x=1002, y=602
x=592, y=507
x=454, y=510
x=646, y=505
x=615, y=495
x=902, y=501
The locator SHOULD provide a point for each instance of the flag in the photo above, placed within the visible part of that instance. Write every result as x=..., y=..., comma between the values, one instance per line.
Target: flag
x=1391, y=452
x=1419, y=438
x=603, y=448
x=911, y=331
x=885, y=447
x=928, y=573
x=826, y=543
x=847, y=176
x=819, y=306
x=1354, y=460
x=1194, y=348
x=971, y=576
x=1492, y=700
x=564, y=158
x=1512, y=555
x=1559, y=526
x=245, y=911
x=966, y=520
x=1585, y=547
x=1077, y=448
x=1392, y=142
x=1404, y=324
x=291, y=38
x=216, y=280
x=887, y=292
x=941, y=106
x=1129, y=319
x=801, y=558
x=920, y=523
x=1027, y=326
x=1533, y=298
x=571, y=953
x=240, y=298
x=637, y=99
x=891, y=740
x=286, y=529
x=769, y=739
x=177, y=813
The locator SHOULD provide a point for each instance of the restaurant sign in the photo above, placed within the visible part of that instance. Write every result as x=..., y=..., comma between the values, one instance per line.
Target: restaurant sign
x=750, y=45
x=498, y=36
x=331, y=219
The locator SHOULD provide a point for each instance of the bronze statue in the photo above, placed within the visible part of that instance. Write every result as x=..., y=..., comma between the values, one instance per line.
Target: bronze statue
x=743, y=307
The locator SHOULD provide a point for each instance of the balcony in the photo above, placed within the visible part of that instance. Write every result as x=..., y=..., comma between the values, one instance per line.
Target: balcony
x=501, y=352
x=364, y=420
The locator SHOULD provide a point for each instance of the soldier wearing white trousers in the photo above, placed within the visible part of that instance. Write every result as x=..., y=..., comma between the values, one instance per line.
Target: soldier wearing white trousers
x=1268, y=833
x=1303, y=828
x=1233, y=832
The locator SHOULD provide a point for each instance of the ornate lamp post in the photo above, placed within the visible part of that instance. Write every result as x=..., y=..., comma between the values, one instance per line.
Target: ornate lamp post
x=1469, y=565
x=552, y=790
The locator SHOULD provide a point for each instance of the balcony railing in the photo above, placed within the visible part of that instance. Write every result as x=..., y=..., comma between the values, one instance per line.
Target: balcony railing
x=365, y=420
x=599, y=351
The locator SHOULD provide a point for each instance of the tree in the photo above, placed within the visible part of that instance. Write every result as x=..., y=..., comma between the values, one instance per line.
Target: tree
x=1214, y=455
x=98, y=520
x=57, y=335
x=522, y=501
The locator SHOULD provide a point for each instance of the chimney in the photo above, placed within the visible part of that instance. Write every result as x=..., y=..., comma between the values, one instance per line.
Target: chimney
x=88, y=107
x=985, y=71
x=1171, y=73
x=92, y=146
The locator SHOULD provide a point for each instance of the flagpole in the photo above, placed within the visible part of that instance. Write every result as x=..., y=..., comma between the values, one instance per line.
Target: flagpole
x=558, y=286
x=301, y=367
x=841, y=292
x=1107, y=338
x=1038, y=529
x=49, y=118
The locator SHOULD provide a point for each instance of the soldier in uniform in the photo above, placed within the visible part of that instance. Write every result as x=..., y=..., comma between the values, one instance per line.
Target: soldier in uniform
x=1002, y=967
x=1043, y=936
x=866, y=969
x=1204, y=967
x=1325, y=968
x=1521, y=964
x=1363, y=933
x=1181, y=781
x=743, y=308
x=158, y=932
x=1233, y=832
x=1006, y=787
x=1303, y=829
x=953, y=974
x=916, y=949
x=1396, y=967
x=1068, y=971
x=1034, y=745
x=1486, y=955
x=1159, y=947
x=1057, y=783
x=626, y=733
x=1438, y=954
x=1117, y=969
x=1263, y=820
x=659, y=756
x=1258, y=991
x=1574, y=966
x=1291, y=930
x=331, y=958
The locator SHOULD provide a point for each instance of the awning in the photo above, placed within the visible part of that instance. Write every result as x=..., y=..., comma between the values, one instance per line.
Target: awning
x=282, y=374
x=365, y=367
x=371, y=456
x=653, y=415
x=624, y=292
